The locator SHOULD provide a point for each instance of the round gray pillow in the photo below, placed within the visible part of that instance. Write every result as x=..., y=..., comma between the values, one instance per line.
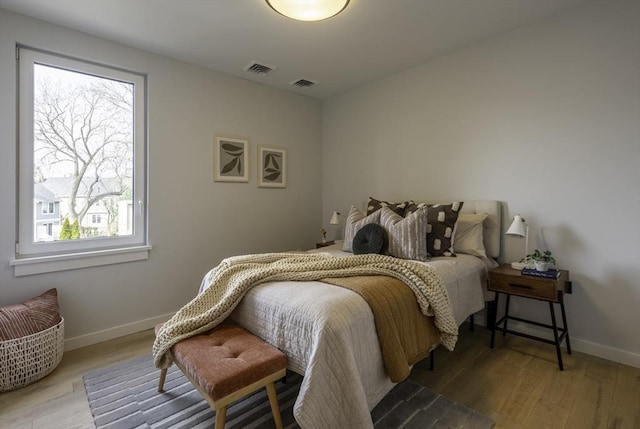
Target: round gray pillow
x=371, y=238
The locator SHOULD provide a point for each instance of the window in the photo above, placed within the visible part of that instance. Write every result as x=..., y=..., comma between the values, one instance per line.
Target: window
x=47, y=208
x=44, y=231
x=82, y=144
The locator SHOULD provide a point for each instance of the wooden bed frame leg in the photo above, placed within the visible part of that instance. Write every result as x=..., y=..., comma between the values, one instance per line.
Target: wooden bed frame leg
x=431, y=360
x=472, y=322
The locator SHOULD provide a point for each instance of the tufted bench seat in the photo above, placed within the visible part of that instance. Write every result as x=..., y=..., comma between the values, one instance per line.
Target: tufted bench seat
x=226, y=364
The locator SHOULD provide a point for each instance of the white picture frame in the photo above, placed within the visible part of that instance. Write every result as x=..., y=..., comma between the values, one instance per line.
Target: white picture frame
x=272, y=167
x=230, y=159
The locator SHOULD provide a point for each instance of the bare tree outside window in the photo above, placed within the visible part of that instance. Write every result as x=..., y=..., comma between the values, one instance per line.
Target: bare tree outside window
x=83, y=148
x=82, y=163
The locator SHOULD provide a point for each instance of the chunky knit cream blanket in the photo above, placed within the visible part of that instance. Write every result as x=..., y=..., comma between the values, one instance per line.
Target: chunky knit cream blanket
x=226, y=285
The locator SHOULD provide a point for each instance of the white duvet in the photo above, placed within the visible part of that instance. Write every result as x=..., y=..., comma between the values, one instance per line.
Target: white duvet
x=329, y=336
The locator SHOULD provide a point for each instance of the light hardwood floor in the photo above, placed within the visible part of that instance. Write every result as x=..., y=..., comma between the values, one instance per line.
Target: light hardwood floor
x=518, y=384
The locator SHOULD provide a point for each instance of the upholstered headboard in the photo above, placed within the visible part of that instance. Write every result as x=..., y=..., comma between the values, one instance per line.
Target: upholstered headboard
x=492, y=225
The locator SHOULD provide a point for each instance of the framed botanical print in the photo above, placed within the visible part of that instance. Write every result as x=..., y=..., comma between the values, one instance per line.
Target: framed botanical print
x=230, y=159
x=272, y=167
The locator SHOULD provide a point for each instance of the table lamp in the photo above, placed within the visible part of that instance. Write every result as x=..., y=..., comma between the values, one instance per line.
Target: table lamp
x=519, y=228
x=334, y=218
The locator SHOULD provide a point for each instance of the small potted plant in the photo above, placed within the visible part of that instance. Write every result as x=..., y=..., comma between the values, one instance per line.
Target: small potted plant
x=540, y=259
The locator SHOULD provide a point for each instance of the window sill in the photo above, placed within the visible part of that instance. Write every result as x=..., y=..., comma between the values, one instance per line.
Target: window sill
x=70, y=261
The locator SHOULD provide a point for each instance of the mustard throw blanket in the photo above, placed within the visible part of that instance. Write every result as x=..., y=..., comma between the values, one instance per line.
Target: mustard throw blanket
x=404, y=333
x=227, y=284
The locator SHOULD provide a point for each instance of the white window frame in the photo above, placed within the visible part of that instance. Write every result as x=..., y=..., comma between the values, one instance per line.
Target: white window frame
x=34, y=257
x=48, y=208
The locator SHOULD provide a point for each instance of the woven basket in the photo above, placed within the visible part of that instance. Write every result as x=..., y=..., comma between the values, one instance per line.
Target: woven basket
x=26, y=360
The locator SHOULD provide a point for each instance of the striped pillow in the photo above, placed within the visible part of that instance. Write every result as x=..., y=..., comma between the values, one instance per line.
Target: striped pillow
x=407, y=236
x=30, y=317
x=356, y=220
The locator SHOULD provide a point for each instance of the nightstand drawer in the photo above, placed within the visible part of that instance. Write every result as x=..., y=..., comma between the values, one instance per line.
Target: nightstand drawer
x=529, y=287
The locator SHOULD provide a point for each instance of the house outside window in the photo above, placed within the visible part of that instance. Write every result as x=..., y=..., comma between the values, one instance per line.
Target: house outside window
x=82, y=157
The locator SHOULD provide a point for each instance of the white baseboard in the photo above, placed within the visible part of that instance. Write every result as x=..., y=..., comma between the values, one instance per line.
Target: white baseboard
x=115, y=332
x=577, y=344
x=605, y=352
x=582, y=346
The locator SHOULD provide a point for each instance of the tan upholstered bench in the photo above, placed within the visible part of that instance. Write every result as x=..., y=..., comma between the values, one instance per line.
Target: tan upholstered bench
x=226, y=364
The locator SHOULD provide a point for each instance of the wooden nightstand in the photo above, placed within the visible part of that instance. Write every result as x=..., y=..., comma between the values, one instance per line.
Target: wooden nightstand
x=325, y=244
x=506, y=280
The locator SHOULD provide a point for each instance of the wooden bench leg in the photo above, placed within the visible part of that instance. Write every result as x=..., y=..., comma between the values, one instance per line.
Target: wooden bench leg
x=275, y=409
x=242, y=340
x=221, y=417
x=163, y=375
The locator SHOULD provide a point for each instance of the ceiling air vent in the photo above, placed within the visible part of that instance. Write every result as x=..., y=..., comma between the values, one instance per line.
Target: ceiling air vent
x=303, y=83
x=257, y=68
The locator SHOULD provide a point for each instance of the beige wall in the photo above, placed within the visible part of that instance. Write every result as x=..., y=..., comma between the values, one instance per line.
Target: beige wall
x=546, y=119
x=193, y=222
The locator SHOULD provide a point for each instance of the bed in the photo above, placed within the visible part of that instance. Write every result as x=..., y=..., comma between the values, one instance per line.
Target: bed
x=329, y=335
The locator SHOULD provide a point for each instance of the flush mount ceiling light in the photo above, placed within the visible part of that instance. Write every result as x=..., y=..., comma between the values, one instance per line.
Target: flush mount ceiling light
x=308, y=10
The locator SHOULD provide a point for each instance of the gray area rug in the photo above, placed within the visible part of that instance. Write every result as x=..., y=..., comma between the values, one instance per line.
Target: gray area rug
x=125, y=396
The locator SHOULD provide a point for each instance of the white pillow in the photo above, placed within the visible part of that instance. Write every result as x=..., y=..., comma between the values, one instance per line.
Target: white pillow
x=407, y=236
x=356, y=220
x=469, y=234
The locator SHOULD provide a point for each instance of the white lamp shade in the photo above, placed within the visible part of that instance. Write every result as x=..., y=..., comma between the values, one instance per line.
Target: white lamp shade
x=518, y=227
x=334, y=218
x=308, y=10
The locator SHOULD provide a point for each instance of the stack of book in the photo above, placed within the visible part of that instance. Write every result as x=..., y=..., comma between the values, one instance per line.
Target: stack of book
x=551, y=273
